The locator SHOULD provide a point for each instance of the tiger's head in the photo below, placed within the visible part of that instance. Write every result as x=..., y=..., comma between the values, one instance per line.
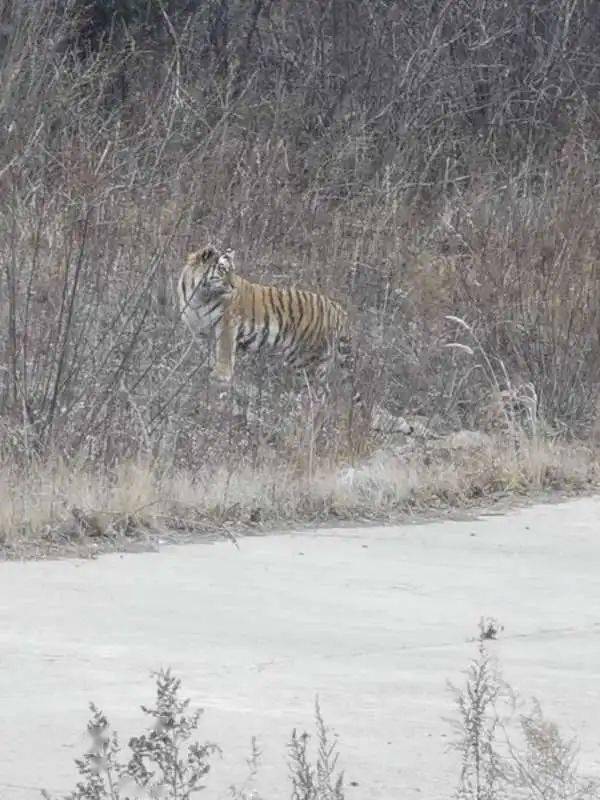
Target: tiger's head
x=207, y=275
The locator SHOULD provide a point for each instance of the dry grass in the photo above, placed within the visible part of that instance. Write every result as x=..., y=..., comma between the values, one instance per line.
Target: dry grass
x=54, y=506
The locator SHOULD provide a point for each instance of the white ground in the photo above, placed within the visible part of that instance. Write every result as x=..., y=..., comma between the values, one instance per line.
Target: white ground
x=374, y=620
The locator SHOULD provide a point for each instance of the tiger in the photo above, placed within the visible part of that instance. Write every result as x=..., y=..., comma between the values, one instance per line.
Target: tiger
x=310, y=331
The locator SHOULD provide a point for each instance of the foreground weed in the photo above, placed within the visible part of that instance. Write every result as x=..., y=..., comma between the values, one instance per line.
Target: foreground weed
x=499, y=760
x=316, y=781
x=503, y=757
x=164, y=764
x=167, y=763
x=546, y=766
x=245, y=790
x=481, y=776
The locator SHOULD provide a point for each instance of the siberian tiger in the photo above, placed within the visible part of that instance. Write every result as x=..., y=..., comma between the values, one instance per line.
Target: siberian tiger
x=310, y=331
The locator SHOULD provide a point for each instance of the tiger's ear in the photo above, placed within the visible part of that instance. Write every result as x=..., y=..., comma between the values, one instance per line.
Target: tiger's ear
x=231, y=257
x=207, y=253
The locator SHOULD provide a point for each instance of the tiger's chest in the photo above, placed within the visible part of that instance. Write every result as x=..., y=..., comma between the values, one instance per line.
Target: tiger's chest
x=207, y=314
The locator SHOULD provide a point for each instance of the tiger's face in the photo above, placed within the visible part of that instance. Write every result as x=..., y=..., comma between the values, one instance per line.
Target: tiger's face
x=207, y=276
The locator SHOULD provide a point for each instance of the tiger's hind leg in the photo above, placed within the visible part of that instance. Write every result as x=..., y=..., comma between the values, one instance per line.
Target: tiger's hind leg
x=346, y=361
x=327, y=396
x=317, y=387
x=312, y=406
x=358, y=414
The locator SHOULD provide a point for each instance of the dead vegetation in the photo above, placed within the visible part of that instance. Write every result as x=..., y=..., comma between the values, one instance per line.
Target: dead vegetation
x=432, y=165
x=505, y=748
x=56, y=508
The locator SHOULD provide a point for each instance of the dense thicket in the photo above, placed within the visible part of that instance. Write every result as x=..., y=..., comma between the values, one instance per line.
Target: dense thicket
x=417, y=158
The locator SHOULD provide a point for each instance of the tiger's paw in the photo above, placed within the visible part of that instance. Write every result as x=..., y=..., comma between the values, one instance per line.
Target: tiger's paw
x=223, y=379
x=223, y=385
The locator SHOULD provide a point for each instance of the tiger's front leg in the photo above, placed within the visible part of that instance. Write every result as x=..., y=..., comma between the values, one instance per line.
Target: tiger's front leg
x=226, y=342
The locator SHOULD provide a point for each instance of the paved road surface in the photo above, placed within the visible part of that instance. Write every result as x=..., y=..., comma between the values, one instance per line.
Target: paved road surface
x=374, y=620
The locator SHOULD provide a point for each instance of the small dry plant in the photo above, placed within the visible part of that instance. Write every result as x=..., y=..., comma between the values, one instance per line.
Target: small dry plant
x=165, y=761
x=481, y=775
x=508, y=755
x=317, y=781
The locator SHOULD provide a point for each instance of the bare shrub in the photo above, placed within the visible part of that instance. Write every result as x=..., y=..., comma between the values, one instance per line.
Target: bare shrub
x=500, y=759
x=317, y=781
x=546, y=764
x=482, y=770
x=165, y=761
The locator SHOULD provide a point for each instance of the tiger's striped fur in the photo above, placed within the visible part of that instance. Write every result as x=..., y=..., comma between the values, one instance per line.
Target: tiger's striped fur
x=309, y=330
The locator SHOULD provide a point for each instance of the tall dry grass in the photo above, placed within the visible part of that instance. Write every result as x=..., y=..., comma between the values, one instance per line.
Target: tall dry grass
x=66, y=506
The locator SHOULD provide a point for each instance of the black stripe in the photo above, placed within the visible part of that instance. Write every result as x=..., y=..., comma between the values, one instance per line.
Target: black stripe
x=320, y=318
x=310, y=312
x=266, y=325
x=210, y=310
x=323, y=305
x=275, y=306
x=300, y=306
x=302, y=329
x=289, y=321
x=280, y=296
x=253, y=317
x=294, y=327
x=248, y=341
x=290, y=355
x=317, y=322
x=216, y=305
x=289, y=295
